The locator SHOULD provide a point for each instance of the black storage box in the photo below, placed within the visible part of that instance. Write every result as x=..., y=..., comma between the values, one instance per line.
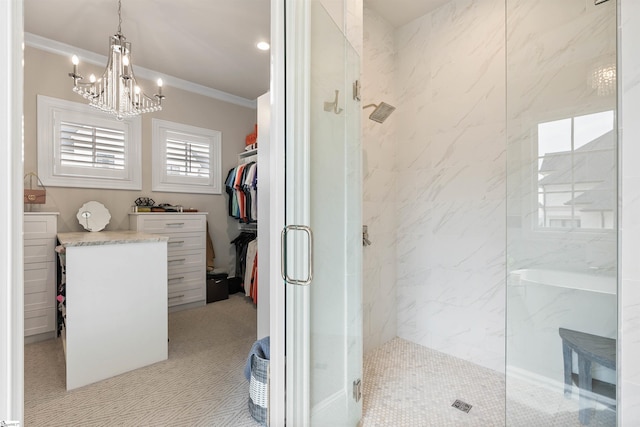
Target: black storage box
x=217, y=287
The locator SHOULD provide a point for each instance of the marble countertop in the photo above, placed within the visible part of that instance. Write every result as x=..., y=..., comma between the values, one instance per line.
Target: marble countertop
x=41, y=213
x=85, y=238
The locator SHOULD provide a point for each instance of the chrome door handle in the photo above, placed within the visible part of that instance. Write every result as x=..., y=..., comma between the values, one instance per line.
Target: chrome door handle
x=283, y=252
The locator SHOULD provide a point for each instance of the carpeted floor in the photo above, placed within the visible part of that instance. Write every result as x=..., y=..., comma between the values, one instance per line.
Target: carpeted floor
x=201, y=384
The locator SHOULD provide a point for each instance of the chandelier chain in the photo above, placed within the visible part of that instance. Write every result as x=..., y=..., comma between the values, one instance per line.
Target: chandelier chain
x=119, y=17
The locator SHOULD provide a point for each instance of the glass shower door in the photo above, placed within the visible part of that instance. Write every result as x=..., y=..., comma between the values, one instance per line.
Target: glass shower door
x=323, y=217
x=561, y=213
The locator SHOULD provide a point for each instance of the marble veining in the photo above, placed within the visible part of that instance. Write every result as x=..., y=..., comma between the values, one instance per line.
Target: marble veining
x=379, y=150
x=451, y=180
x=107, y=238
x=450, y=165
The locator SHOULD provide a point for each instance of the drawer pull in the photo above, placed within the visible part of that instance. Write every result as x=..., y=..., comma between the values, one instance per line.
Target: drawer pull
x=175, y=224
x=177, y=242
x=177, y=296
x=176, y=278
x=178, y=260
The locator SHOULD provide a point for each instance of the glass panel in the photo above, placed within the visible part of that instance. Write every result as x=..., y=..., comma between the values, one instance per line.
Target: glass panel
x=561, y=210
x=324, y=319
x=336, y=325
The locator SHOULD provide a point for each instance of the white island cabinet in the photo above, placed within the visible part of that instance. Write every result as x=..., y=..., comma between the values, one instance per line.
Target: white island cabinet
x=116, y=303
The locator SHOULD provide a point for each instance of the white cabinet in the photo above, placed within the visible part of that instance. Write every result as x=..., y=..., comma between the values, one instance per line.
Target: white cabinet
x=116, y=304
x=186, y=264
x=40, y=230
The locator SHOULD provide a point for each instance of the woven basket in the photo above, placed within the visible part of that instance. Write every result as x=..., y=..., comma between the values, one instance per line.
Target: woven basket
x=259, y=390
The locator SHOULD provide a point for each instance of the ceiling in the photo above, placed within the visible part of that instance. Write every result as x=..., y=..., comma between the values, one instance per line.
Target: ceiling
x=207, y=42
x=400, y=12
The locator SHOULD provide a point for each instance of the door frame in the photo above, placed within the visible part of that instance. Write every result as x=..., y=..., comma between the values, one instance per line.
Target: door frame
x=277, y=306
x=11, y=247
x=11, y=170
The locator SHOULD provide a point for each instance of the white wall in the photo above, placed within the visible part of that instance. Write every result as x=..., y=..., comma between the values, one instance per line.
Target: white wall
x=379, y=145
x=450, y=180
x=46, y=74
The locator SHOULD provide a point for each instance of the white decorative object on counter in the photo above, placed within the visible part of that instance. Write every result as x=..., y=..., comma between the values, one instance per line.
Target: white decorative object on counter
x=93, y=216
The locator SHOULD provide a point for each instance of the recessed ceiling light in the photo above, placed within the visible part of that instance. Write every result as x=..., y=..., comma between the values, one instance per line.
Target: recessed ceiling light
x=263, y=46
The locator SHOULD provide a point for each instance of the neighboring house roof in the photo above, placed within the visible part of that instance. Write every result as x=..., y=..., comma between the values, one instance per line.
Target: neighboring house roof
x=593, y=163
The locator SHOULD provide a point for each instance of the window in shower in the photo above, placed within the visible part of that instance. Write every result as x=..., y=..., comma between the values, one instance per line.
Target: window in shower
x=576, y=172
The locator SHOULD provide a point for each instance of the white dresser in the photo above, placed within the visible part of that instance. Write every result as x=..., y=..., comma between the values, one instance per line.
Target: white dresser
x=187, y=269
x=40, y=230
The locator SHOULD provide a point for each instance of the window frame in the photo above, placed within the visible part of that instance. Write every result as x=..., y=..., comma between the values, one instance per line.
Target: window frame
x=163, y=181
x=579, y=232
x=51, y=112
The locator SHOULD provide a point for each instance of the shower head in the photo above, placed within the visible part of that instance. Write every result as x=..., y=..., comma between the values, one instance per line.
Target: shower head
x=382, y=111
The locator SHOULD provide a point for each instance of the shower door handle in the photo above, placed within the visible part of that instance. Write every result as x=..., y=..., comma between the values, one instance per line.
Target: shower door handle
x=283, y=255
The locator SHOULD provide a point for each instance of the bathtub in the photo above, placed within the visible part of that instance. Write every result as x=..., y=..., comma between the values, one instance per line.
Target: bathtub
x=541, y=301
x=597, y=282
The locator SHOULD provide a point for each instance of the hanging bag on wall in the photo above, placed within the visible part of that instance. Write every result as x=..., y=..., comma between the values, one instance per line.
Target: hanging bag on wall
x=32, y=195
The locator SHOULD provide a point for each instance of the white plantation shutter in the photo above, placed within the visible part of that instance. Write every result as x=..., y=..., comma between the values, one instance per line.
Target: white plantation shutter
x=186, y=159
x=91, y=146
x=79, y=146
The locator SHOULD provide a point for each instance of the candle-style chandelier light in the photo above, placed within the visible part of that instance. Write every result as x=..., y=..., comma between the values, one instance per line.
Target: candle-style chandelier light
x=117, y=92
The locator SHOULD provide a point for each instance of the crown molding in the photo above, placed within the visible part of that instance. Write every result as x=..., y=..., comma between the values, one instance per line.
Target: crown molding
x=64, y=49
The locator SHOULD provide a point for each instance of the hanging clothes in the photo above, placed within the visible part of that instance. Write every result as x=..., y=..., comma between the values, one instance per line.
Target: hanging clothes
x=241, y=243
x=241, y=185
x=254, y=281
x=252, y=251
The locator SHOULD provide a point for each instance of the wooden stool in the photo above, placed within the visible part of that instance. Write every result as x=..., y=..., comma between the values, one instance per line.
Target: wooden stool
x=589, y=348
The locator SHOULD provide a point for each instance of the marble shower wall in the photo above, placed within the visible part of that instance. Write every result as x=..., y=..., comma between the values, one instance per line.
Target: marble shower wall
x=417, y=161
x=450, y=180
x=553, y=49
x=379, y=147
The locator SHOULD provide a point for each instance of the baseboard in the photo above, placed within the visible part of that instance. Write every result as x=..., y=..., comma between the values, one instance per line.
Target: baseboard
x=39, y=337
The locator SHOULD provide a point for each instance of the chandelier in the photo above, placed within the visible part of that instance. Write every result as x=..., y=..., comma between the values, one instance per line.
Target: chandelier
x=603, y=79
x=117, y=92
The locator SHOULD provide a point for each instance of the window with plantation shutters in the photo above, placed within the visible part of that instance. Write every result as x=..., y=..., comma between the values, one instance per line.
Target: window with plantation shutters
x=79, y=146
x=186, y=159
x=91, y=146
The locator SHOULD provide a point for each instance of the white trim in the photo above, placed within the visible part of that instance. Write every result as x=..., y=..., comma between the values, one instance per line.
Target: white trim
x=297, y=207
x=51, y=111
x=161, y=181
x=11, y=246
x=277, y=404
x=64, y=49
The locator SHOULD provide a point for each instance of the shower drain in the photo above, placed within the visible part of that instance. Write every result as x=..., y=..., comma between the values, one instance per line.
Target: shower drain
x=463, y=406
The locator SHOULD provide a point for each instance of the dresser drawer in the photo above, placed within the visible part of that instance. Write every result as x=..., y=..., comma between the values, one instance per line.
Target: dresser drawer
x=39, y=321
x=185, y=242
x=39, y=250
x=186, y=279
x=186, y=252
x=39, y=286
x=37, y=226
x=184, y=296
x=167, y=224
x=188, y=261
